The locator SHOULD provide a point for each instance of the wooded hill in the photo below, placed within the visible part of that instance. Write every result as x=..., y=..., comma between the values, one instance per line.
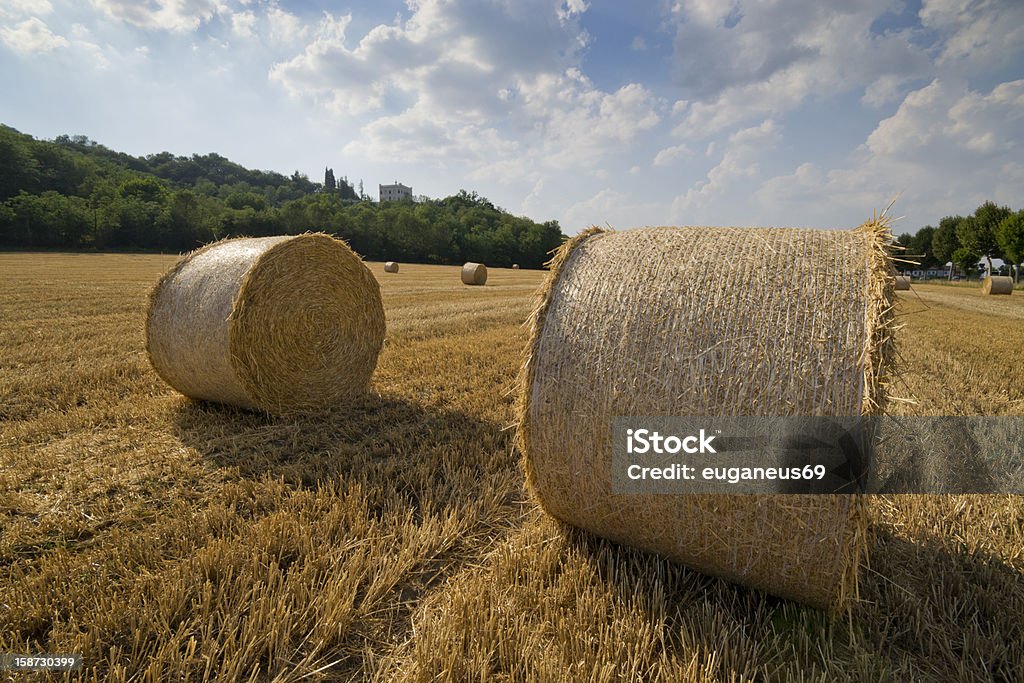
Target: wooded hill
x=73, y=193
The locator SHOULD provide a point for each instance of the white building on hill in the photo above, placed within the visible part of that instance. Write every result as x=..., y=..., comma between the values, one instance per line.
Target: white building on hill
x=394, y=193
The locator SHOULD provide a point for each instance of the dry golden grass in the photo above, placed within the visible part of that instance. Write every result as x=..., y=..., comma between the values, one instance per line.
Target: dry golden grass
x=971, y=299
x=168, y=540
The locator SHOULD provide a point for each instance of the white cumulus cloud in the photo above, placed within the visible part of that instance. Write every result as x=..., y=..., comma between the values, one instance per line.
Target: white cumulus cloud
x=944, y=120
x=945, y=150
x=285, y=27
x=669, y=155
x=493, y=85
x=976, y=34
x=24, y=8
x=746, y=60
x=243, y=24
x=31, y=36
x=176, y=16
x=739, y=162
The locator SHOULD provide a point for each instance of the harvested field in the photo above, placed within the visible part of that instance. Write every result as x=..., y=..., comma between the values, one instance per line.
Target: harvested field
x=970, y=299
x=394, y=540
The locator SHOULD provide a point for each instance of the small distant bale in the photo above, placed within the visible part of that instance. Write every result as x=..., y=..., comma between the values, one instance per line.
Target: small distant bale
x=279, y=324
x=997, y=284
x=474, y=274
x=515, y=266
x=902, y=283
x=390, y=267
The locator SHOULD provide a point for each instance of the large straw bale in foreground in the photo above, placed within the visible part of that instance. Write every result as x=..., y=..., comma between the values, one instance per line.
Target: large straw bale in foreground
x=474, y=274
x=902, y=283
x=708, y=321
x=997, y=284
x=280, y=324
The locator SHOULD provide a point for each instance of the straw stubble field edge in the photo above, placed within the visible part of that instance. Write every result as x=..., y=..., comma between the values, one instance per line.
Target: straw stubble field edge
x=393, y=540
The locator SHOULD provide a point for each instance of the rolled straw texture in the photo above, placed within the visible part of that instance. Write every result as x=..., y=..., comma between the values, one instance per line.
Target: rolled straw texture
x=280, y=324
x=708, y=321
x=474, y=274
x=902, y=283
x=390, y=267
x=997, y=284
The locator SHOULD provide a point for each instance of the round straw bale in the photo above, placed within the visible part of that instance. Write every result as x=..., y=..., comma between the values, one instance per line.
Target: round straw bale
x=902, y=283
x=390, y=267
x=280, y=324
x=997, y=284
x=515, y=266
x=474, y=274
x=719, y=322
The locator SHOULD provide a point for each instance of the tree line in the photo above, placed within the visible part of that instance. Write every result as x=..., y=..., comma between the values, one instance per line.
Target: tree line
x=73, y=193
x=991, y=232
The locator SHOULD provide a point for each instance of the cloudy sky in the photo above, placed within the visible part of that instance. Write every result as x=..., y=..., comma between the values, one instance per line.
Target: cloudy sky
x=779, y=112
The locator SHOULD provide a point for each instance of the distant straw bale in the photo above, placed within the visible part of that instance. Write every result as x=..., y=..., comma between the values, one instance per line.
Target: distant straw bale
x=280, y=324
x=709, y=321
x=474, y=274
x=902, y=283
x=515, y=266
x=390, y=267
x=997, y=284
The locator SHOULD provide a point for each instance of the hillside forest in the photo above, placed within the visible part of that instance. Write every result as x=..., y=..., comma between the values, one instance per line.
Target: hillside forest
x=72, y=193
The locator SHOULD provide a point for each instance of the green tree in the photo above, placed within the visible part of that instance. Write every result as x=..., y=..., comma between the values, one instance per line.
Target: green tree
x=240, y=200
x=101, y=199
x=181, y=227
x=293, y=217
x=547, y=239
x=143, y=189
x=921, y=243
x=966, y=259
x=7, y=217
x=367, y=238
x=48, y=220
x=945, y=241
x=1010, y=235
x=58, y=170
x=903, y=247
x=436, y=234
x=19, y=170
x=978, y=232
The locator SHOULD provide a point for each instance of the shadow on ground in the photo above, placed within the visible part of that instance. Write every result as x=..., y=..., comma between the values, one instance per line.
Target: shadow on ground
x=949, y=455
x=417, y=469
x=957, y=614
x=399, y=451
x=924, y=613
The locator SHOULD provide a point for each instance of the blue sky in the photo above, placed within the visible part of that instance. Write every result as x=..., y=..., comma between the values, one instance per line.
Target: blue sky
x=708, y=112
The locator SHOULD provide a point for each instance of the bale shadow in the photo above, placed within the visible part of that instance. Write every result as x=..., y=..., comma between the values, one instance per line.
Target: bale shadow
x=410, y=464
x=923, y=612
x=401, y=454
x=724, y=626
x=956, y=614
x=935, y=455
